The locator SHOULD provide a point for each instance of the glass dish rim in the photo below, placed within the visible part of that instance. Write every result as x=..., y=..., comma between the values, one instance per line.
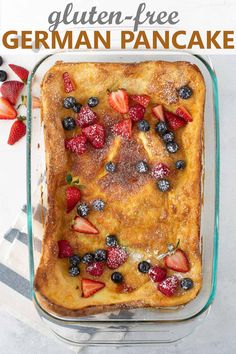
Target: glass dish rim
x=210, y=69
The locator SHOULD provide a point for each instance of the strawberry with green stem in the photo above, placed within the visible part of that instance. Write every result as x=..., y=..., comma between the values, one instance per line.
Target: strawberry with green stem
x=18, y=130
x=73, y=194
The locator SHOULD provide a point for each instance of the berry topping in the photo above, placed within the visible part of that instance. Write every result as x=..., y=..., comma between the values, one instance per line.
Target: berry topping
x=76, y=144
x=118, y=100
x=72, y=197
x=180, y=164
x=141, y=99
x=161, y=128
x=11, y=90
x=74, y=271
x=18, y=130
x=117, y=277
x=86, y=117
x=90, y=287
x=69, y=102
x=96, y=135
x=100, y=255
x=93, y=101
x=163, y=185
x=169, y=286
x=69, y=123
x=136, y=112
x=116, y=256
x=110, y=167
x=98, y=205
x=84, y=226
x=175, y=122
x=185, y=92
x=74, y=260
x=64, y=249
x=95, y=269
x=183, y=113
x=111, y=241
x=168, y=137
x=142, y=167
x=22, y=73
x=68, y=83
x=158, y=112
x=123, y=128
x=83, y=209
x=186, y=283
x=144, y=267
x=88, y=258
x=6, y=109
x=160, y=170
x=77, y=107
x=177, y=261
x=3, y=75
x=172, y=147
x=143, y=125
x=157, y=273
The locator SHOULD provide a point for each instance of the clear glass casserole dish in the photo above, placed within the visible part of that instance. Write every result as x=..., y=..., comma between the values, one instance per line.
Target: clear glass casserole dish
x=128, y=327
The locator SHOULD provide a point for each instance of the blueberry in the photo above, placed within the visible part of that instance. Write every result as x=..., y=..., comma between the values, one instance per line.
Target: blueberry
x=143, y=125
x=142, y=167
x=83, y=209
x=88, y=258
x=69, y=102
x=172, y=147
x=144, y=266
x=161, y=128
x=117, y=277
x=74, y=271
x=98, y=204
x=93, y=101
x=100, y=255
x=185, y=92
x=69, y=123
x=74, y=260
x=3, y=75
x=168, y=137
x=180, y=164
x=77, y=107
x=110, y=167
x=111, y=241
x=186, y=283
x=1, y=61
x=163, y=185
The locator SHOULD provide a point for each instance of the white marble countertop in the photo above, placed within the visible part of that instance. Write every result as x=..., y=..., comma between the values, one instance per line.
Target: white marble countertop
x=217, y=334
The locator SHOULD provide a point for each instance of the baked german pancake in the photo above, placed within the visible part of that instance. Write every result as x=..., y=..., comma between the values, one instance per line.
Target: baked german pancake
x=123, y=145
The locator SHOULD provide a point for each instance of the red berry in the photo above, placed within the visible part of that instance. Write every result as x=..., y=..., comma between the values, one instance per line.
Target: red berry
x=157, y=273
x=95, y=269
x=160, y=170
x=7, y=111
x=175, y=122
x=116, y=256
x=76, y=144
x=169, y=286
x=83, y=226
x=136, y=112
x=183, y=113
x=90, y=287
x=18, y=130
x=123, y=128
x=158, y=112
x=86, y=117
x=68, y=83
x=22, y=73
x=64, y=249
x=177, y=261
x=141, y=99
x=118, y=100
x=11, y=90
x=72, y=198
x=95, y=134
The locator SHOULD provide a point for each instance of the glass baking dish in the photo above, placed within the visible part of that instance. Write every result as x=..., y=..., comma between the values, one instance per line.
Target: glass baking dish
x=128, y=327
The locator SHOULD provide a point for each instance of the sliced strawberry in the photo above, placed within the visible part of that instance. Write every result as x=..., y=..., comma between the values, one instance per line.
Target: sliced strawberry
x=95, y=269
x=83, y=226
x=175, y=122
x=123, y=128
x=136, y=112
x=76, y=144
x=158, y=112
x=119, y=100
x=160, y=170
x=72, y=197
x=18, y=130
x=90, y=287
x=116, y=256
x=6, y=109
x=96, y=135
x=11, y=90
x=169, y=286
x=22, y=73
x=157, y=273
x=86, y=117
x=68, y=83
x=177, y=261
x=64, y=249
x=141, y=99
x=183, y=113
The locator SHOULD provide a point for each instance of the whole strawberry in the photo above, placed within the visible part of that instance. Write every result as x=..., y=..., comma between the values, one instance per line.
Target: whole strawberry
x=18, y=130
